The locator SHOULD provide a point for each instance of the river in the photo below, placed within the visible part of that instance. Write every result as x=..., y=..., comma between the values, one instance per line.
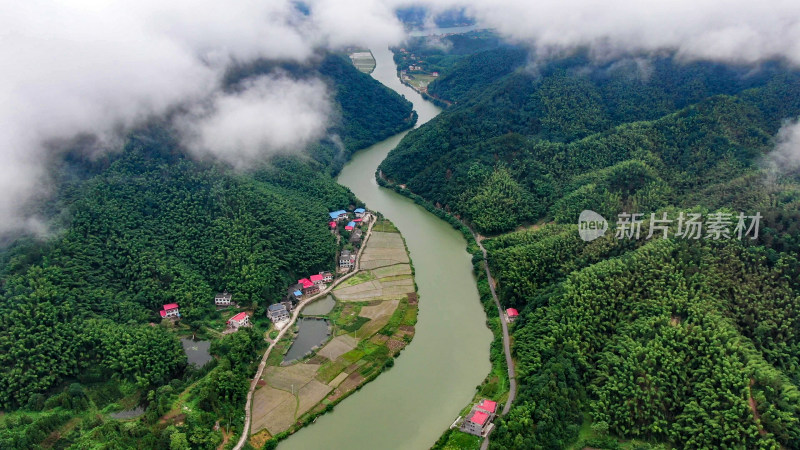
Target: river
x=410, y=405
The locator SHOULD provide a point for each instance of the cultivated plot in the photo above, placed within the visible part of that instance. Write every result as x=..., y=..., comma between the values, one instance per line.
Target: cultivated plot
x=338, y=346
x=285, y=377
x=268, y=404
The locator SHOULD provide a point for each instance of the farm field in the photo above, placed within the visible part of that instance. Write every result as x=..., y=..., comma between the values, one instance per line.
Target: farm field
x=372, y=321
x=364, y=61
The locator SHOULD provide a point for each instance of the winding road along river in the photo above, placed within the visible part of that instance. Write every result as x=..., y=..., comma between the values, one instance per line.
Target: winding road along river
x=410, y=405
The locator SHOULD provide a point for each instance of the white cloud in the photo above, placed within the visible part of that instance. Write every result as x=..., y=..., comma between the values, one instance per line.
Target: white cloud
x=97, y=67
x=269, y=115
x=786, y=155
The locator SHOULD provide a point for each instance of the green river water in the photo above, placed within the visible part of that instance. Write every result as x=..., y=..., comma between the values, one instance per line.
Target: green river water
x=410, y=405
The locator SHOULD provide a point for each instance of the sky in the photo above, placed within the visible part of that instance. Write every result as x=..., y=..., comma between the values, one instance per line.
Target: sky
x=101, y=67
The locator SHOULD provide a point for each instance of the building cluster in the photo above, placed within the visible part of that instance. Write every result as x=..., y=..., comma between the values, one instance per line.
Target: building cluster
x=347, y=258
x=479, y=419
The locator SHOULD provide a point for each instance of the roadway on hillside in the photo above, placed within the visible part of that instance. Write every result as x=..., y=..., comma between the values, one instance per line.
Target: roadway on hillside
x=512, y=379
x=300, y=306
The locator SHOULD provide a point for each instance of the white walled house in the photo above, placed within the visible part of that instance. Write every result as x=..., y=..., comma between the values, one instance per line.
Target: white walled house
x=223, y=299
x=239, y=320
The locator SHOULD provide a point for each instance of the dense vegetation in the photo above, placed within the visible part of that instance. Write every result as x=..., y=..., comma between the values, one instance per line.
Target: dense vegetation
x=534, y=147
x=680, y=342
x=442, y=52
x=133, y=230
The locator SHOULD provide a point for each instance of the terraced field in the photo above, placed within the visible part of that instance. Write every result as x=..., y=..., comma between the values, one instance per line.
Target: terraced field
x=372, y=321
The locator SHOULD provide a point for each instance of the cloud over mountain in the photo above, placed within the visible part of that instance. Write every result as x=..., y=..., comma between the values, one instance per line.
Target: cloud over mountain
x=101, y=67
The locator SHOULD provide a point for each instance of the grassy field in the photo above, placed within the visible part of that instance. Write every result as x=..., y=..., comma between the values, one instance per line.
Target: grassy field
x=459, y=440
x=419, y=80
x=372, y=321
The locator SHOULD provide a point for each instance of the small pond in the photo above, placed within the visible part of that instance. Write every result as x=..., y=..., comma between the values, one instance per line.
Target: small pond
x=320, y=307
x=313, y=332
x=197, y=351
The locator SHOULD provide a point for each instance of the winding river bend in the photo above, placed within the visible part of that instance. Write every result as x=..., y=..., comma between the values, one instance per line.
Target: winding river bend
x=409, y=406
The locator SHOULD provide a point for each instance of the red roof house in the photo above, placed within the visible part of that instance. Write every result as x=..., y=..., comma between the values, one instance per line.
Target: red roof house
x=317, y=279
x=332, y=224
x=479, y=418
x=512, y=312
x=488, y=405
x=239, y=320
x=305, y=282
x=170, y=310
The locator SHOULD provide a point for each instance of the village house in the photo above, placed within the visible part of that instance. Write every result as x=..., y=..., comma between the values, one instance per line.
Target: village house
x=223, y=299
x=479, y=419
x=489, y=406
x=511, y=315
x=294, y=292
x=477, y=422
x=170, y=310
x=350, y=226
x=239, y=320
x=309, y=288
x=327, y=276
x=317, y=279
x=338, y=215
x=360, y=212
x=355, y=236
x=277, y=313
x=347, y=259
x=332, y=224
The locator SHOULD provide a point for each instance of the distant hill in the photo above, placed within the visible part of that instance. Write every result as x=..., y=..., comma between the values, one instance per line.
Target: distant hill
x=642, y=342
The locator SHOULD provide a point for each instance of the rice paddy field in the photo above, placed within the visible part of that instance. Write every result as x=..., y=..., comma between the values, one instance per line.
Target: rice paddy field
x=372, y=321
x=363, y=60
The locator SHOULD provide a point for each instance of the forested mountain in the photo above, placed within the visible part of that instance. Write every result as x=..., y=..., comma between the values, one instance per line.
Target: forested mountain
x=513, y=146
x=146, y=226
x=679, y=342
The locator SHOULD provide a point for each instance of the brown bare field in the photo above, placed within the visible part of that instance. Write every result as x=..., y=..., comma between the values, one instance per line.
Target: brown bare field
x=259, y=439
x=311, y=394
x=338, y=380
x=338, y=346
x=266, y=401
x=352, y=381
x=395, y=345
x=296, y=374
x=280, y=418
x=317, y=359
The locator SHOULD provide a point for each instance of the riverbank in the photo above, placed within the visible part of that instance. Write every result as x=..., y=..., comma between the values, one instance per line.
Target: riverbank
x=409, y=406
x=500, y=384
x=372, y=321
